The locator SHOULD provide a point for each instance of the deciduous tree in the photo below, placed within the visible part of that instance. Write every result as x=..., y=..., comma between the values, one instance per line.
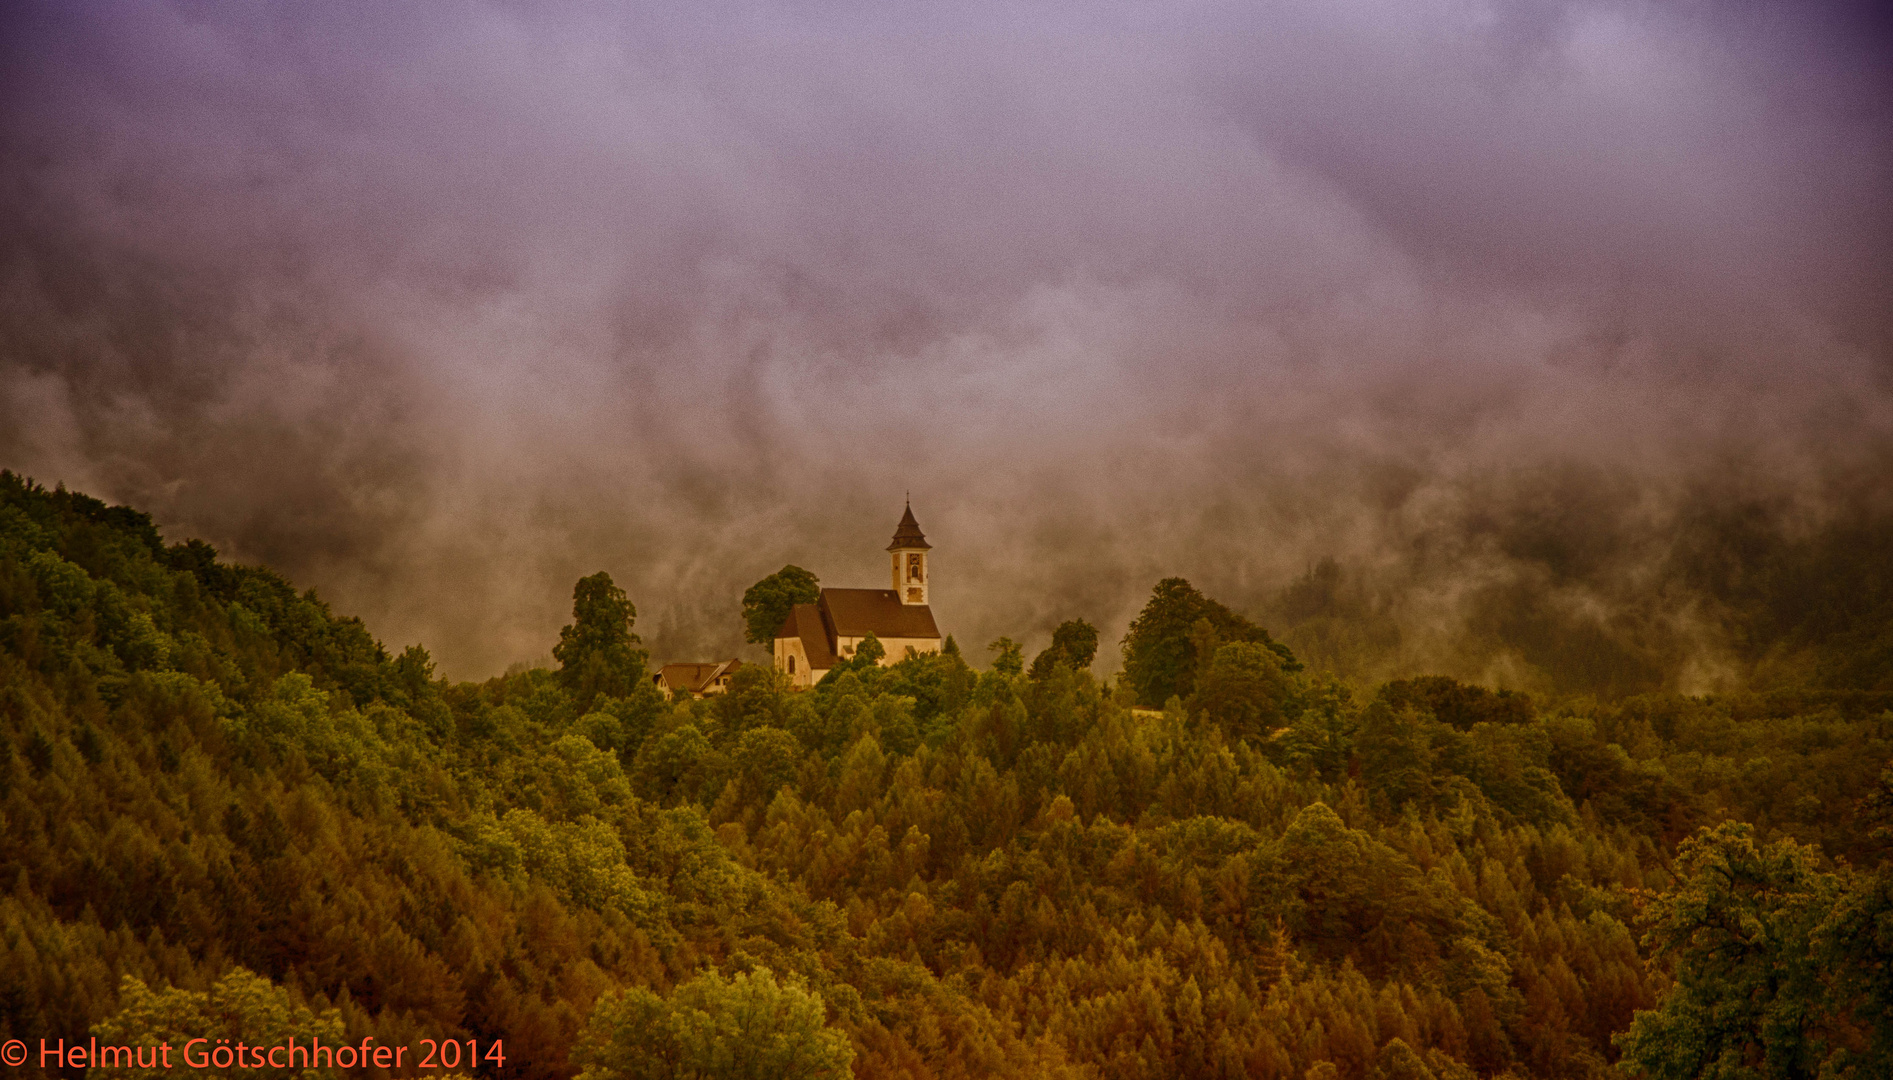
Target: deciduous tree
x=768, y=602
x=749, y=1027
x=1160, y=655
x=242, y=1007
x=1748, y=998
x=1245, y=691
x=597, y=652
x=1074, y=645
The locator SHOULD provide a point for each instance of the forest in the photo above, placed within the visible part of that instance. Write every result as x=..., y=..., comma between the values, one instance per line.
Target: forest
x=231, y=813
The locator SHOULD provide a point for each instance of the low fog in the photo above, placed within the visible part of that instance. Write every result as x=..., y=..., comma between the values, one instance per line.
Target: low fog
x=438, y=309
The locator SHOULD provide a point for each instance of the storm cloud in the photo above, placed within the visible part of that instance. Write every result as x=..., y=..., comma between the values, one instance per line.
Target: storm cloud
x=438, y=307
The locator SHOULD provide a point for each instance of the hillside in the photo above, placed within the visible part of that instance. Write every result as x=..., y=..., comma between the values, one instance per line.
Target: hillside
x=213, y=785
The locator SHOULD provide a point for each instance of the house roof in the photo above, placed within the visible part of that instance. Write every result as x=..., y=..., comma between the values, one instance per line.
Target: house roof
x=907, y=535
x=860, y=612
x=693, y=677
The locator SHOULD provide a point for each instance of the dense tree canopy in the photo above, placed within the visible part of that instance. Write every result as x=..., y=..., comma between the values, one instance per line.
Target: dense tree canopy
x=1165, y=646
x=241, y=1007
x=1246, y=691
x=768, y=602
x=225, y=809
x=749, y=1026
x=1452, y=702
x=1780, y=965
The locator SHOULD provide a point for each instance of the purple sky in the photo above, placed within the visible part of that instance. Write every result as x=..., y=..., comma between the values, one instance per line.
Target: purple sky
x=439, y=307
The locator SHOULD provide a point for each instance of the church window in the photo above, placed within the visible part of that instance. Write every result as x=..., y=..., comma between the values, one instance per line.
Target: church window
x=913, y=568
x=791, y=665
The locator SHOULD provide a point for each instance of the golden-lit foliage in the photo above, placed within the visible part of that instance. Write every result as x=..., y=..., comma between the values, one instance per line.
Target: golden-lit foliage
x=214, y=789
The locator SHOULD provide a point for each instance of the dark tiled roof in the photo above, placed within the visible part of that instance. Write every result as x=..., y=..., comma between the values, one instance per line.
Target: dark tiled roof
x=908, y=534
x=805, y=622
x=692, y=678
x=860, y=612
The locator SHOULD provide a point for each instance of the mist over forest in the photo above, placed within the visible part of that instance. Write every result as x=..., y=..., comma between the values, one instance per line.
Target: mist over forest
x=1409, y=485
x=1559, y=328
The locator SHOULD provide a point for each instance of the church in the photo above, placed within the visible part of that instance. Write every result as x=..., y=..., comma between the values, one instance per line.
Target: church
x=815, y=637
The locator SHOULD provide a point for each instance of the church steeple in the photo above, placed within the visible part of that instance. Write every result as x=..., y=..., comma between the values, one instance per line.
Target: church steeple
x=909, y=551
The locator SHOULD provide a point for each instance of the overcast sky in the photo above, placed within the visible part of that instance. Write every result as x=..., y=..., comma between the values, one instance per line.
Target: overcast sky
x=438, y=307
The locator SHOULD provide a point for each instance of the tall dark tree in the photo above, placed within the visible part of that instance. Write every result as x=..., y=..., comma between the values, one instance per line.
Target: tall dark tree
x=1008, y=656
x=1161, y=647
x=598, y=653
x=768, y=602
x=1396, y=755
x=1074, y=645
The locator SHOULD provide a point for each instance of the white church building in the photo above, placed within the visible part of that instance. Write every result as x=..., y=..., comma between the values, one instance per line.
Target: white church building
x=815, y=637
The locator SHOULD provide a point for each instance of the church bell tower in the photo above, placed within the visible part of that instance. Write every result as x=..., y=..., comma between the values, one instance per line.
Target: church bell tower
x=909, y=551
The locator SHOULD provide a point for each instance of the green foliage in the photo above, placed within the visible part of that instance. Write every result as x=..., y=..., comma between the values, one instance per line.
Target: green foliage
x=582, y=861
x=766, y=604
x=940, y=685
x=1074, y=645
x=596, y=651
x=864, y=666
x=1397, y=1061
x=869, y=652
x=1396, y=756
x=296, y=719
x=1457, y=704
x=638, y=715
x=1749, y=992
x=678, y=766
x=1008, y=656
x=1854, y=945
x=242, y=1008
x=1320, y=740
x=765, y=759
x=749, y=1026
x=916, y=869
x=1164, y=648
x=758, y=694
x=1245, y=691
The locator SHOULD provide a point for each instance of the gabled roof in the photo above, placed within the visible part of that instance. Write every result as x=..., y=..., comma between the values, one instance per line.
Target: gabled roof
x=854, y=613
x=860, y=612
x=692, y=678
x=805, y=623
x=907, y=535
